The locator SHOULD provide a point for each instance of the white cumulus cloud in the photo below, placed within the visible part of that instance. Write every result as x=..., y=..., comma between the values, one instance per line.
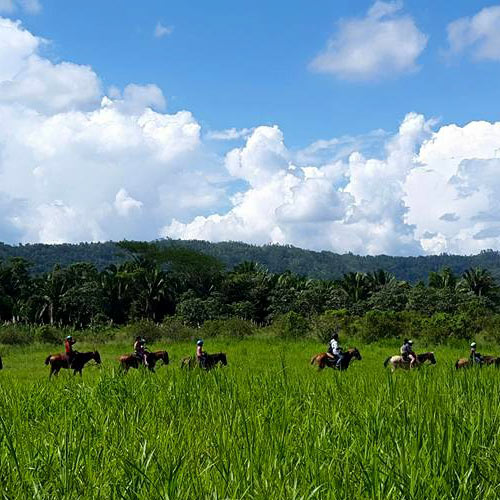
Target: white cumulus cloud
x=478, y=35
x=162, y=30
x=382, y=44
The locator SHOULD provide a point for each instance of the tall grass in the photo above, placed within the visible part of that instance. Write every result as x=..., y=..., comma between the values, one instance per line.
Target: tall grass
x=266, y=426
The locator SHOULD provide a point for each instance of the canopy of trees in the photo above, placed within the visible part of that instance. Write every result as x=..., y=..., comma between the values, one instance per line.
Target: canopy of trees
x=153, y=281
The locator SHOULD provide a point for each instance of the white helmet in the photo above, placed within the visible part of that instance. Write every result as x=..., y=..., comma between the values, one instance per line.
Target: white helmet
x=473, y=344
x=410, y=342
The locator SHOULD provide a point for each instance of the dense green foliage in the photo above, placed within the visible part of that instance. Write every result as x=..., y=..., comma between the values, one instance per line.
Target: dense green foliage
x=266, y=426
x=179, y=288
x=275, y=258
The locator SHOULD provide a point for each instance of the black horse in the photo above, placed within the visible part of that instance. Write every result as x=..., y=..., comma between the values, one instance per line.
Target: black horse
x=208, y=362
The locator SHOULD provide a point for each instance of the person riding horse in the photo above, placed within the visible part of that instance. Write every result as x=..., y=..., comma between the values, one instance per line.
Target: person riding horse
x=69, y=342
x=475, y=357
x=201, y=355
x=407, y=353
x=140, y=350
x=334, y=350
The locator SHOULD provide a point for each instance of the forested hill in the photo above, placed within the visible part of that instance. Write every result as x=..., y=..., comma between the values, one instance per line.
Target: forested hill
x=275, y=258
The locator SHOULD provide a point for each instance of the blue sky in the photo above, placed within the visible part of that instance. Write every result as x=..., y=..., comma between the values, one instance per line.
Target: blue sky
x=367, y=126
x=243, y=64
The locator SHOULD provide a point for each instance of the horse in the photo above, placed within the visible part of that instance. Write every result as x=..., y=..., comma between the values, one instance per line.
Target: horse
x=487, y=360
x=58, y=361
x=210, y=361
x=399, y=362
x=128, y=361
x=322, y=359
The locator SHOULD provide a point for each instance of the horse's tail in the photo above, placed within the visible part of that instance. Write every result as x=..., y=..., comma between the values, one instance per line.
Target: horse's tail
x=386, y=362
x=457, y=364
x=47, y=360
x=313, y=359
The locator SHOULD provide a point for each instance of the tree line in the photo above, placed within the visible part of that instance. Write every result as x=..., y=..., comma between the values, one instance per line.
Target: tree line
x=157, y=282
x=276, y=258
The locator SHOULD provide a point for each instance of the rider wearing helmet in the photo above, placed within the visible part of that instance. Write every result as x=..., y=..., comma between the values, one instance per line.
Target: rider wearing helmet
x=334, y=350
x=69, y=341
x=475, y=357
x=407, y=353
x=140, y=350
x=201, y=355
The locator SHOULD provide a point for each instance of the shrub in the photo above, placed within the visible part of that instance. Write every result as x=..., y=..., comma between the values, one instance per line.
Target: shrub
x=15, y=335
x=174, y=329
x=291, y=326
x=49, y=335
x=232, y=327
x=442, y=327
x=375, y=325
x=144, y=328
x=330, y=322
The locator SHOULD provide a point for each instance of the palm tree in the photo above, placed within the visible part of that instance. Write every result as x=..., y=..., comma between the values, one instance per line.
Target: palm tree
x=356, y=285
x=443, y=279
x=379, y=279
x=478, y=281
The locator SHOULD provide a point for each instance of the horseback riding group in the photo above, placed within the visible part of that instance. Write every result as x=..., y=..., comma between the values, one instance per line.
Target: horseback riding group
x=335, y=357
x=72, y=359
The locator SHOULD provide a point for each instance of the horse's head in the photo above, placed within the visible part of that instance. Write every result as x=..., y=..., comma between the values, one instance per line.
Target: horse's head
x=432, y=358
x=164, y=357
x=97, y=357
x=355, y=353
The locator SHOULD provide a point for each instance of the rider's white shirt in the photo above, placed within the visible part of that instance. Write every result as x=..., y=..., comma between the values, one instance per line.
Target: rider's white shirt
x=336, y=349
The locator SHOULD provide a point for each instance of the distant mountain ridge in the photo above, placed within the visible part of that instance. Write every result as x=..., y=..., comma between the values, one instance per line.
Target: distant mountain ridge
x=276, y=258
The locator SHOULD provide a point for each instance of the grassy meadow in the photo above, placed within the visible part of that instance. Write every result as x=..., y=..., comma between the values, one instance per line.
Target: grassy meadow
x=267, y=426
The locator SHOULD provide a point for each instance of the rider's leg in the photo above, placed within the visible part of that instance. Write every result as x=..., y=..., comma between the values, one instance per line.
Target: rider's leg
x=412, y=361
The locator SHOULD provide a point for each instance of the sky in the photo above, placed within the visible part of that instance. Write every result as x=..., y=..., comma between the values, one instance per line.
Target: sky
x=350, y=126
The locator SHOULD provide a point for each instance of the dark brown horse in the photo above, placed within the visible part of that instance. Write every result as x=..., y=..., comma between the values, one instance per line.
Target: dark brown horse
x=80, y=359
x=209, y=362
x=399, y=362
x=322, y=359
x=487, y=360
x=128, y=361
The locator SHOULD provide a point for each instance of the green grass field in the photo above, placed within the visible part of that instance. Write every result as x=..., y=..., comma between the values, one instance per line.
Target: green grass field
x=267, y=426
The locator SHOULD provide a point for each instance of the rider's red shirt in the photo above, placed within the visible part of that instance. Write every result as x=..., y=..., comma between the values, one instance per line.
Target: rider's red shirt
x=68, y=346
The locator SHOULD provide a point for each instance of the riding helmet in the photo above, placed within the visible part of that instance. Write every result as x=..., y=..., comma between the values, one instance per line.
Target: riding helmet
x=410, y=342
x=200, y=342
x=473, y=344
x=69, y=337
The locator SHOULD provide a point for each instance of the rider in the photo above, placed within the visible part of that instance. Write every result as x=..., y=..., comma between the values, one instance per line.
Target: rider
x=407, y=353
x=201, y=355
x=334, y=349
x=140, y=349
x=475, y=357
x=68, y=347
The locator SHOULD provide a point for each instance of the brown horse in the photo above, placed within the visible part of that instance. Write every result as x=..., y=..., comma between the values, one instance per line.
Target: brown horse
x=80, y=359
x=399, y=362
x=322, y=359
x=487, y=360
x=210, y=361
x=128, y=361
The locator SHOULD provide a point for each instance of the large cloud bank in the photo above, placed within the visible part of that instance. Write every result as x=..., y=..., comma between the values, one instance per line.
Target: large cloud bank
x=81, y=163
